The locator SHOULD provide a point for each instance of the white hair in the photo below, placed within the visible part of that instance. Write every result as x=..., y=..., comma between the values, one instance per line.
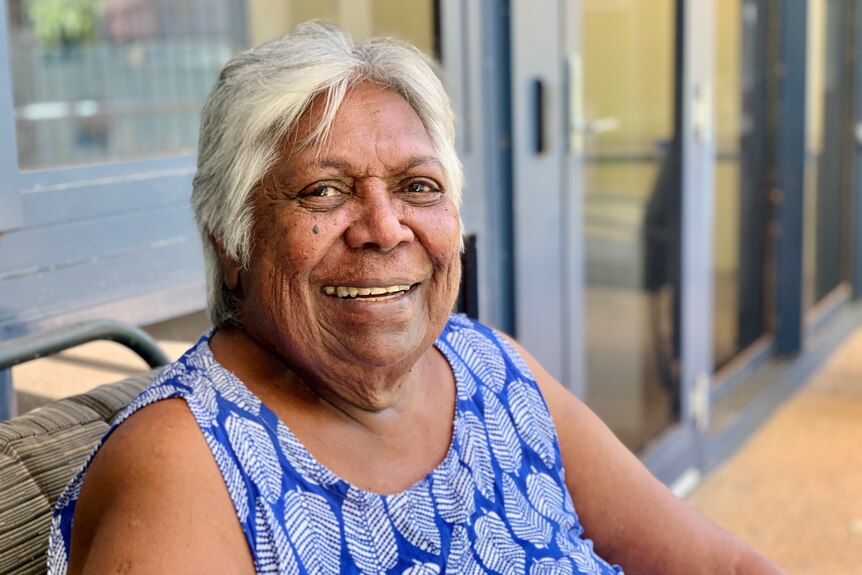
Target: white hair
x=256, y=101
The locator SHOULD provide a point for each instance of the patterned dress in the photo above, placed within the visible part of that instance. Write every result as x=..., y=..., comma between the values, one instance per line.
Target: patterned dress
x=496, y=504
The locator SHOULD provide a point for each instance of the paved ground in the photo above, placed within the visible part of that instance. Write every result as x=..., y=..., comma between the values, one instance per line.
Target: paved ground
x=794, y=491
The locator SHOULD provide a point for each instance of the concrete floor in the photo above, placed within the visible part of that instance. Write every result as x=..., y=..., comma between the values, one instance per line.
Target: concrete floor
x=794, y=491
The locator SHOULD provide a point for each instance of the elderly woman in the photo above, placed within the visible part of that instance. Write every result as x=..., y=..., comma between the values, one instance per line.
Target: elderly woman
x=338, y=419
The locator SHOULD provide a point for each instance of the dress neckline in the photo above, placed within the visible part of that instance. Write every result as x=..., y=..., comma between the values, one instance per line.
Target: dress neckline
x=301, y=458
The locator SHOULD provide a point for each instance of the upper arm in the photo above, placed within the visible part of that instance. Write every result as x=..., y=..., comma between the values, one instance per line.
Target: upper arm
x=154, y=501
x=632, y=518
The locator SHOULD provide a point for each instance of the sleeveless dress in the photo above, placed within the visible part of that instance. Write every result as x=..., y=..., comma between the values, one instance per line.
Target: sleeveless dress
x=497, y=503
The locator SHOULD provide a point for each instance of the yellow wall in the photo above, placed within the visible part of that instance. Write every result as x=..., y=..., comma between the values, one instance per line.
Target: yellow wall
x=628, y=70
x=411, y=20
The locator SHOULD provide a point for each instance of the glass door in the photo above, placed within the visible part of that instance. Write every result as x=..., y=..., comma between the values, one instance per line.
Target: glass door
x=629, y=130
x=742, y=210
x=612, y=154
x=826, y=229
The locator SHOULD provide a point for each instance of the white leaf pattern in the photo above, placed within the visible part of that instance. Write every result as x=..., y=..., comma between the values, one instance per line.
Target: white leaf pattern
x=584, y=558
x=471, y=437
x=231, y=474
x=481, y=356
x=422, y=569
x=547, y=497
x=57, y=560
x=233, y=390
x=501, y=433
x=453, y=493
x=459, y=320
x=548, y=566
x=255, y=450
x=71, y=493
x=532, y=420
x=202, y=402
x=465, y=381
x=368, y=532
x=461, y=560
x=526, y=522
x=272, y=550
x=314, y=531
x=567, y=534
x=413, y=515
x=496, y=548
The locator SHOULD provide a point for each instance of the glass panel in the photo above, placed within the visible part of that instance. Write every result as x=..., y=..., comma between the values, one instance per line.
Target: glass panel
x=106, y=80
x=98, y=80
x=740, y=199
x=632, y=192
x=827, y=194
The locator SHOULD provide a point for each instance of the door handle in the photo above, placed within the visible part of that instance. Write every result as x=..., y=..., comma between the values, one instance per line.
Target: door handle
x=578, y=124
x=598, y=125
x=540, y=117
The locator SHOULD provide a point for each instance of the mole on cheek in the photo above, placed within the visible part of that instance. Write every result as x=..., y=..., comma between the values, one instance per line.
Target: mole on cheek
x=315, y=229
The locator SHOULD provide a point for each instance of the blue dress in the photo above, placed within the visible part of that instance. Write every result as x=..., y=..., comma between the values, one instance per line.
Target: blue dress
x=496, y=504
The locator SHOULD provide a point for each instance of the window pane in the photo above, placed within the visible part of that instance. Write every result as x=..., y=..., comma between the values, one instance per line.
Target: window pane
x=109, y=80
x=827, y=193
x=98, y=80
x=741, y=210
x=631, y=209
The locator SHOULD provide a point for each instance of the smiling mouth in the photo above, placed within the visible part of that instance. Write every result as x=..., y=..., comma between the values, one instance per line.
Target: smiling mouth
x=382, y=293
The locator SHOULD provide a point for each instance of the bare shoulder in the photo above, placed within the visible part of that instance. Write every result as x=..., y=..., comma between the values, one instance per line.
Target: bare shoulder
x=153, y=501
x=633, y=519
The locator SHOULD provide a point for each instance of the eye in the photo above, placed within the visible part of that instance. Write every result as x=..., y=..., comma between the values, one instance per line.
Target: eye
x=420, y=187
x=422, y=192
x=323, y=196
x=326, y=191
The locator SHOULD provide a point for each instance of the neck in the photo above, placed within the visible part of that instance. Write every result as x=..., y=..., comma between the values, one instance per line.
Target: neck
x=358, y=392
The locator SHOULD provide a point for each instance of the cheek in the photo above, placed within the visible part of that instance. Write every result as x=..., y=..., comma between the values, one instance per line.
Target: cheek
x=297, y=244
x=443, y=237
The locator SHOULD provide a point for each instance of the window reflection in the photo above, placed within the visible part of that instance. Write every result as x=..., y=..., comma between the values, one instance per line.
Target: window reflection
x=108, y=80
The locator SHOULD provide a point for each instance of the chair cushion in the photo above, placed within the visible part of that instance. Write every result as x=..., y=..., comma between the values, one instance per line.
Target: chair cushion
x=39, y=453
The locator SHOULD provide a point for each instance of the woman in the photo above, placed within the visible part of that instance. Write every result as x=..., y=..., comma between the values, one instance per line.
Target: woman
x=337, y=419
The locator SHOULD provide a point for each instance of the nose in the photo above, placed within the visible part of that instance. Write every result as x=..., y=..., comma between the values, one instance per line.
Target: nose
x=378, y=223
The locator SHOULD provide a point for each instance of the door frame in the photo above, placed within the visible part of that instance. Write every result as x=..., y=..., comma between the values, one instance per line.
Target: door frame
x=548, y=192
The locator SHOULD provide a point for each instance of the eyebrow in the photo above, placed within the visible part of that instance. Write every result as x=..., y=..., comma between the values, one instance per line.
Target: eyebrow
x=409, y=164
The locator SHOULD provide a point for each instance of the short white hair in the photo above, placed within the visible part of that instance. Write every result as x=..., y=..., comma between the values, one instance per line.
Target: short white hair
x=257, y=100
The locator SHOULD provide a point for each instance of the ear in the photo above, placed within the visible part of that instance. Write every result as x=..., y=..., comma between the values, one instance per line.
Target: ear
x=229, y=266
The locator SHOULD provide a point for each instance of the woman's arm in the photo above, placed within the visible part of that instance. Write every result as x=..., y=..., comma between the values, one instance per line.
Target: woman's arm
x=154, y=502
x=632, y=518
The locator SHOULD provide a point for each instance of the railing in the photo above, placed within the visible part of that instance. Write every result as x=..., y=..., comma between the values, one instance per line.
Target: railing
x=41, y=344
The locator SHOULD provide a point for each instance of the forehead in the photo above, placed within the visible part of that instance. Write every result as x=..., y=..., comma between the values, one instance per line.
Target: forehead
x=371, y=119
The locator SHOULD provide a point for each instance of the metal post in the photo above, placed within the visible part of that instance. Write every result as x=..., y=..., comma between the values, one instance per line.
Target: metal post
x=790, y=159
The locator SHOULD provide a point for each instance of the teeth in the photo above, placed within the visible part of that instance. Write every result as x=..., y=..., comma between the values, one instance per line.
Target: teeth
x=353, y=292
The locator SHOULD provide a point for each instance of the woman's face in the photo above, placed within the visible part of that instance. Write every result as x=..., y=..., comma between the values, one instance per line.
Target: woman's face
x=355, y=256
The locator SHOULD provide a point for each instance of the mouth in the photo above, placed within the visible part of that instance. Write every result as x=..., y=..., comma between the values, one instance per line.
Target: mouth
x=376, y=293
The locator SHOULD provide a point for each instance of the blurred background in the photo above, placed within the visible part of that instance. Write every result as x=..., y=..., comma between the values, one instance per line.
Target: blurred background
x=662, y=198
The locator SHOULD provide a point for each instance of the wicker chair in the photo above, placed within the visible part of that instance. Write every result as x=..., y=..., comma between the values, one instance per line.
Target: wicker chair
x=41, y=450
x=39, y=453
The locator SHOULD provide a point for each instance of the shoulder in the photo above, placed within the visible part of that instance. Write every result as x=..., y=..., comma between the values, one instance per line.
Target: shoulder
x=153, y=498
